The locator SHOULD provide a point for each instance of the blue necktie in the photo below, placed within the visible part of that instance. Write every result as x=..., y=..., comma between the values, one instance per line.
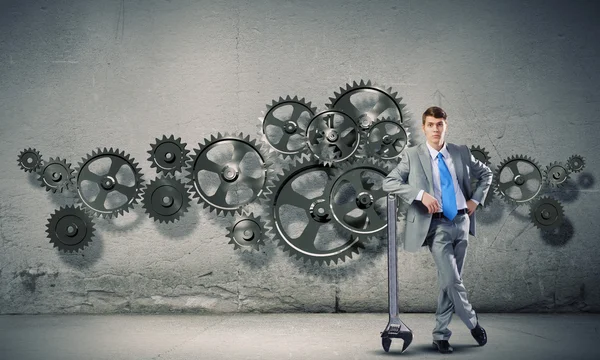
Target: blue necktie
x=447, y=187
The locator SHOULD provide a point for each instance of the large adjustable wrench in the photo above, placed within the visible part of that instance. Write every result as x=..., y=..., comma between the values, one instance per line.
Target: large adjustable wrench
x=395, y=327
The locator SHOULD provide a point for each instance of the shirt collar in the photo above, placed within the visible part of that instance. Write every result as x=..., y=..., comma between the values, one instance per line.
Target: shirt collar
x=434, y=153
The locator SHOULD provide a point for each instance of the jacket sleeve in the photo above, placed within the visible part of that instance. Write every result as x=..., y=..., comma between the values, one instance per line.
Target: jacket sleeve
x=397, y=181
x=484, y=176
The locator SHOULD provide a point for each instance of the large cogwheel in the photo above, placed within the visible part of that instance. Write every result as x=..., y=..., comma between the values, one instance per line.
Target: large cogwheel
x=70, y=229
x=248, y=232
x=576, y=163
x=168, y=155
x=333, y=137
x=166, y=199
x=518, y=180
x=108, y=183
x=56, y=175
x=283, y=126
x=556, y=174
x=357, y=201
x=30, y=160
x=228, y=172
x=546, y=213
x=301, y=217
x=386, y=139
x=366, y=102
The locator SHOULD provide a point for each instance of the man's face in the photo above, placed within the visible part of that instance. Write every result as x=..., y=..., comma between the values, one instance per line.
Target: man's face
x=435, y=130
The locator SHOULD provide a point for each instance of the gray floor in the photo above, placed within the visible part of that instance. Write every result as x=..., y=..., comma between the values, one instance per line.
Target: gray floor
x=288, y=336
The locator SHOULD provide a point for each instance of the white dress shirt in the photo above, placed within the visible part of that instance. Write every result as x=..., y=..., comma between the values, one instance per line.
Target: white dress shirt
x=461, y=203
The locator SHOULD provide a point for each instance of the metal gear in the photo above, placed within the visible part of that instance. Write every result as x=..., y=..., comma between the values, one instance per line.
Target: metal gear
x=301, y=218
x=283, y=126
x=481, y=154
x=30, y=160
x=357, y=201
x=166, y=199
x=371, y=102
x=168, y=155
x=546, y=213
x=70, y=229
x=228, y=165
x=518, y=180
x=576, y=163
x=122, y=181
x=386, y=139
x=556, y=174
x=333, y=136
x=248, y=232
x=56, y=175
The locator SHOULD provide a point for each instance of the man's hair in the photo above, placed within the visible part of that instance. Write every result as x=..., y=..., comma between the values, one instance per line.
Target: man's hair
x=435, y=111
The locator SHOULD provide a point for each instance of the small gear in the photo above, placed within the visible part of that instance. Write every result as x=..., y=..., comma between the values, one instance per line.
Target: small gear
x=333, y=137
x=283, y=126
x=518, y=180
x=56, y=175
x=481, y=154
x=121, y=183
x=576, y=163
x=168, y=155
x=30, y=160
x=556, y=174
x=386, y=139
x=70, y=229
x=166, y=199
x=365, y=102
x=248, y=232
x=300, y=216
x=228, y=172
x=546, y=213
x=357, y=201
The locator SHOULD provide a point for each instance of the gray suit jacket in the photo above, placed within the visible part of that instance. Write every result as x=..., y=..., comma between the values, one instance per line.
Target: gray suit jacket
x=414, y=173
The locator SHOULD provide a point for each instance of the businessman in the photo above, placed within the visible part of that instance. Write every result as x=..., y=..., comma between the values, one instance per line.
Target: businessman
x=434, y=179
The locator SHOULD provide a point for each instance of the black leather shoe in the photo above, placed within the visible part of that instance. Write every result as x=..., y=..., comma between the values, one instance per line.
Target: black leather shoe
x=479, y=334
x=442, y=346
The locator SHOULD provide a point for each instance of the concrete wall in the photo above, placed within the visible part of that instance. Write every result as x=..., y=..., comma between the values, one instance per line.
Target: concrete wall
x=516, y=77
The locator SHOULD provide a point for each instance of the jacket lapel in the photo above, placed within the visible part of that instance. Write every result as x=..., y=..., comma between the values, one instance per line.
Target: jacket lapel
x=426, y=164
x=458, y=164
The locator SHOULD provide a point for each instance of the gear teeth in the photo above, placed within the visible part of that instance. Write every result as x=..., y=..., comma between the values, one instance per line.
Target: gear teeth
x=543, y=221
x=508, y=199
x=563, y=173
x=37, y=163
x=576, y=163
x=55, y=236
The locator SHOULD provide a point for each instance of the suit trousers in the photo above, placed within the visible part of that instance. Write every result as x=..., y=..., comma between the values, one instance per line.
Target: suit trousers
x=447, y=241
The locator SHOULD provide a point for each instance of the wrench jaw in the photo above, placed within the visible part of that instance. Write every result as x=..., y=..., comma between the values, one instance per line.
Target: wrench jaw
x=398, y=330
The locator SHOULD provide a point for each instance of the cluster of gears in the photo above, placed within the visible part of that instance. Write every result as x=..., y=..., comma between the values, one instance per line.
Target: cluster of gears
x=520, y=180
x=320, y=208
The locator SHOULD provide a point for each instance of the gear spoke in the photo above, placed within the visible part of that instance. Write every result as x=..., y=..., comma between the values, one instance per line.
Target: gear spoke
x=87, y=174
x=298, y=110
x=382, y=105
x=513, y=166
x=115, y=166
x=98, y=202
x=374, y=218
x=208, y=164
x=239, y=151
x=347, y=207
x=255, y=184
x=357, y=183
x=295, y=199
x=128, y=191
x=221, y=194
x=346, y=106
x=307, y=239
x=285, y=138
